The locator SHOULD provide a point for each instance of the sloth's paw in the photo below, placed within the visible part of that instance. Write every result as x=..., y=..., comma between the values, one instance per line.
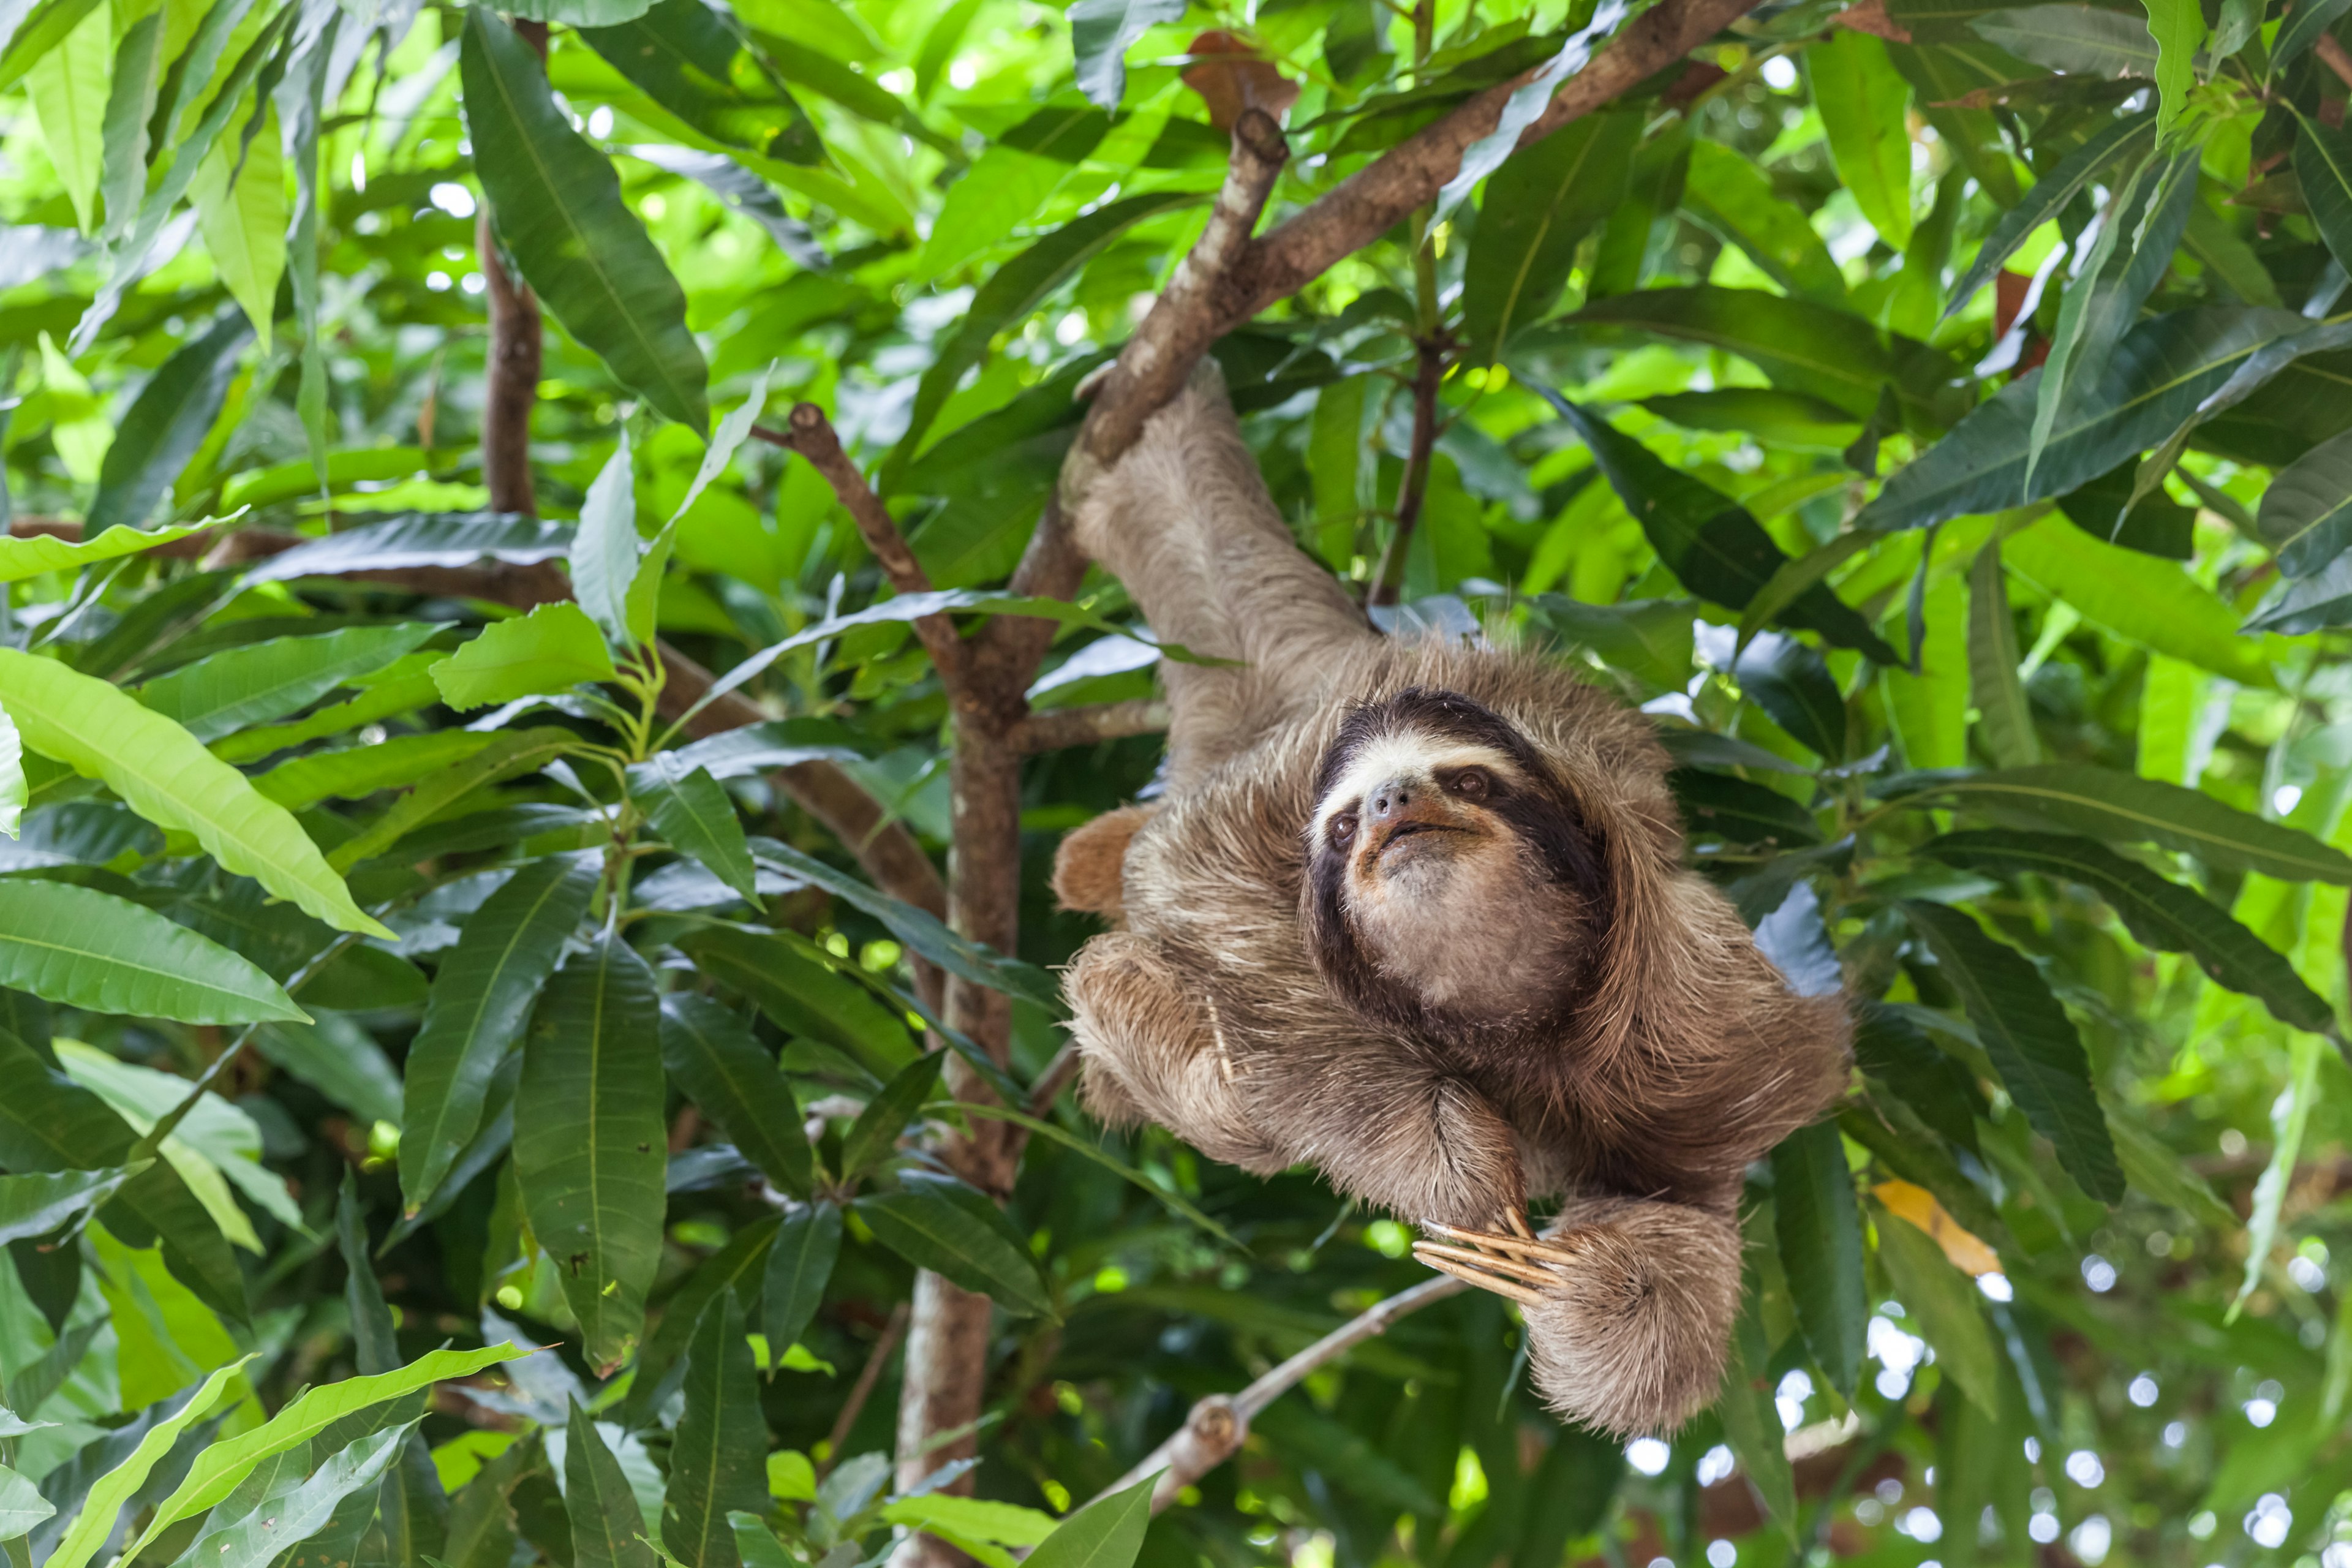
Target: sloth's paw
x=1509, y=1261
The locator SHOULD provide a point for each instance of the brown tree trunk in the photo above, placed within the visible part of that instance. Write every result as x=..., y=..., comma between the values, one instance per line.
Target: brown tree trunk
x=510, y=385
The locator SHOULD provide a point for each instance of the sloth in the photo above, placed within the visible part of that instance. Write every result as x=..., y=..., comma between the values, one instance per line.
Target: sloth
x=1414, y=913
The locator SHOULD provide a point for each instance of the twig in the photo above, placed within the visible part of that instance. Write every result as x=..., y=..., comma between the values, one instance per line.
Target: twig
x=867, y=1377
x=1413, y=488
x=2334, y=56
x=1047, y=1086
x=1061, y=727
x=1217, y=1424
x=813, y=436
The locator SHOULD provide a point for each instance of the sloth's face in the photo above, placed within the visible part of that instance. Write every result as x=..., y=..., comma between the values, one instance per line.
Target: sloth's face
x=1443, y=866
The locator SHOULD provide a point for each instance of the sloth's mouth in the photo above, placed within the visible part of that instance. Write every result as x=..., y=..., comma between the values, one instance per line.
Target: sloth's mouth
x=1404, y=830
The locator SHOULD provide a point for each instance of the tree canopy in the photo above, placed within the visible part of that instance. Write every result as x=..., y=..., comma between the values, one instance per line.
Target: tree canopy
x=477, y=1087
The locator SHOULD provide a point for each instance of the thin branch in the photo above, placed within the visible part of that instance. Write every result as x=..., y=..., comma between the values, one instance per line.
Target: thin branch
x=2334, y=56
x=860, y=1391
x=813, y=436
x=1430, y=370
x=1217, y=1424
x=1052, y=731
x=510, y=375
x=1047, y=1087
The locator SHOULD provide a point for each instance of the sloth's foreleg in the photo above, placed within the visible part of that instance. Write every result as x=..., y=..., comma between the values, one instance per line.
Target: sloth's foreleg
x=1629, y=1306
x=1151, y=1054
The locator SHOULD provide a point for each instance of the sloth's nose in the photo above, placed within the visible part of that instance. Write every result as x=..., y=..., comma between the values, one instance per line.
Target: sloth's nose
x=1390, y=801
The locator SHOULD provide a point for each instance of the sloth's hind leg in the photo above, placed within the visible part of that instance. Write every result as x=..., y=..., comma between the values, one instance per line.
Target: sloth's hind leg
x=1629, y=1306
x=1151, y=1054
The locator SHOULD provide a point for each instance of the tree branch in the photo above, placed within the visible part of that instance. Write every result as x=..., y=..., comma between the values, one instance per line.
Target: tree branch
x=1217, y=1424
x=511, y=376
x=1060, y=727
x=1413, y=488
x=813, y=436
x=863, y=1389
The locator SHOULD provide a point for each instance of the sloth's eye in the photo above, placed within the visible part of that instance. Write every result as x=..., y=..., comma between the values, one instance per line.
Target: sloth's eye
x=1471, y=784
x=1343, y=830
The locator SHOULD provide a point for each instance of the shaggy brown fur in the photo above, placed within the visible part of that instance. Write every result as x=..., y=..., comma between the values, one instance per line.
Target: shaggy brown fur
x=1673, y=1055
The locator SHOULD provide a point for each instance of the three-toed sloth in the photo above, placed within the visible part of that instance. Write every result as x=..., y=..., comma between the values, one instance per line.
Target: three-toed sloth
x=1415, y=912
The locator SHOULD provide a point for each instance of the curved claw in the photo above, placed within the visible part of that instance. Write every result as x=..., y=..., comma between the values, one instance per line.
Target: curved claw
x=1516, y=1224
x=1510, y=1268
x=1548, y=1252
x=1484, y=1281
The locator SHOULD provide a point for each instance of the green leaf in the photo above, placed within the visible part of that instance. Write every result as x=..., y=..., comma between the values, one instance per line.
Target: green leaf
x=2308, y=604
x=1941, y=1301
x=607, y=1531
x=590, y=1157
x=874, y=1136
x=689, y=809
x=1706, y=539
x=1008, y=184
x=800, y=1266
x=21, y=1506
x=1106, y=1533
x=2155, y=377
x=1865, y=108
x=419, y=538
x=403, y=687
x=661, y=1362
x=68, y=86
x=352, y=773
x=2306, y=513
x=2306, y=21
x=276, y=1522
x=1751, y=1422
x=802, y=995
x=240, y=199
x=1538, y=208
x=1799, y=344
x=34, y=554
x=165, y=774
x=1721, y=808
x=2160, y=913
x=682, y=56
x=1102, y=31
x=226, y=691
x=717, y=1459
x=2030, y=1041
x=2141, y=598
x=35, y=1205
x=1010, y=293
x=558, y=206
x=714, y=1060
x=2049, y=197
x=970, y=1522
x=95, y=1521
x=604, y=551
x=12, y=790
x=2290, y=1116
x=516, y=751
x=2073, y=38
x=222, y=1465
x=1787, y=584
x=549, y=651
x=939, y=1224
x=1648, y=638
x=1790, y=682
x=2070, y=798
x=482, y=1000
x=1993, y=685
x=105, y=955
x=2177, y=28
x=1093, y=1153
x=1732, y=195
x=163, y=427
x=1820, y=1231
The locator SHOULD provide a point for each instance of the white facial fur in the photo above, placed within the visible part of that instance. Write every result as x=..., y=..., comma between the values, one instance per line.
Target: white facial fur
x=1467, y=917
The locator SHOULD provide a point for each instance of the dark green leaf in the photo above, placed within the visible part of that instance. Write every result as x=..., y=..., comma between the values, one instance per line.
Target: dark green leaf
x=1722, y=809
x=682, y=54
x=590, y=1153
x=1010, y=293
x=1993, y=685
x=166, y=424
x=35, y=1205
x=2104, y=804
x=713, y=1058
x=1537, y=209
x=661, y=1362
x=1708, y=541
x=1892, y=1049
x=559, y=209
x=78, y=833
x=2161, y=913
x=800, y=1266
x=689, y=810
x=874, y=1136
x=718, y=1458
x=261, y=681
x=2048, y=197
x=2306, y=513
x=1751, y=1421
x=2074, y=38
x=1790, y=682
x=2308, y=604
x=2306, y=21
x=939, y=1224
x=1819, y=1230
x=800, y=994
x=481, y=999
x=2030, y=1041
x=607, y=1531
x=1647, y=639
x=419, y=538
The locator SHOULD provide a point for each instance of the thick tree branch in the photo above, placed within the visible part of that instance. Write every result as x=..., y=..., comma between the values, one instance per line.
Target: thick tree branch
x=1413, y=488
x=812, y=435
x=1061, y=727
x=510, y=381
x=1217, y=1424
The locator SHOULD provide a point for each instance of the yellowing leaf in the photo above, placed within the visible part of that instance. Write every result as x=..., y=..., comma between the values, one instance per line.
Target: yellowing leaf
x=1918, y=1206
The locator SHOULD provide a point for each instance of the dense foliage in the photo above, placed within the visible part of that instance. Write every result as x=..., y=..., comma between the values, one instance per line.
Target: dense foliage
x=1936, y=415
